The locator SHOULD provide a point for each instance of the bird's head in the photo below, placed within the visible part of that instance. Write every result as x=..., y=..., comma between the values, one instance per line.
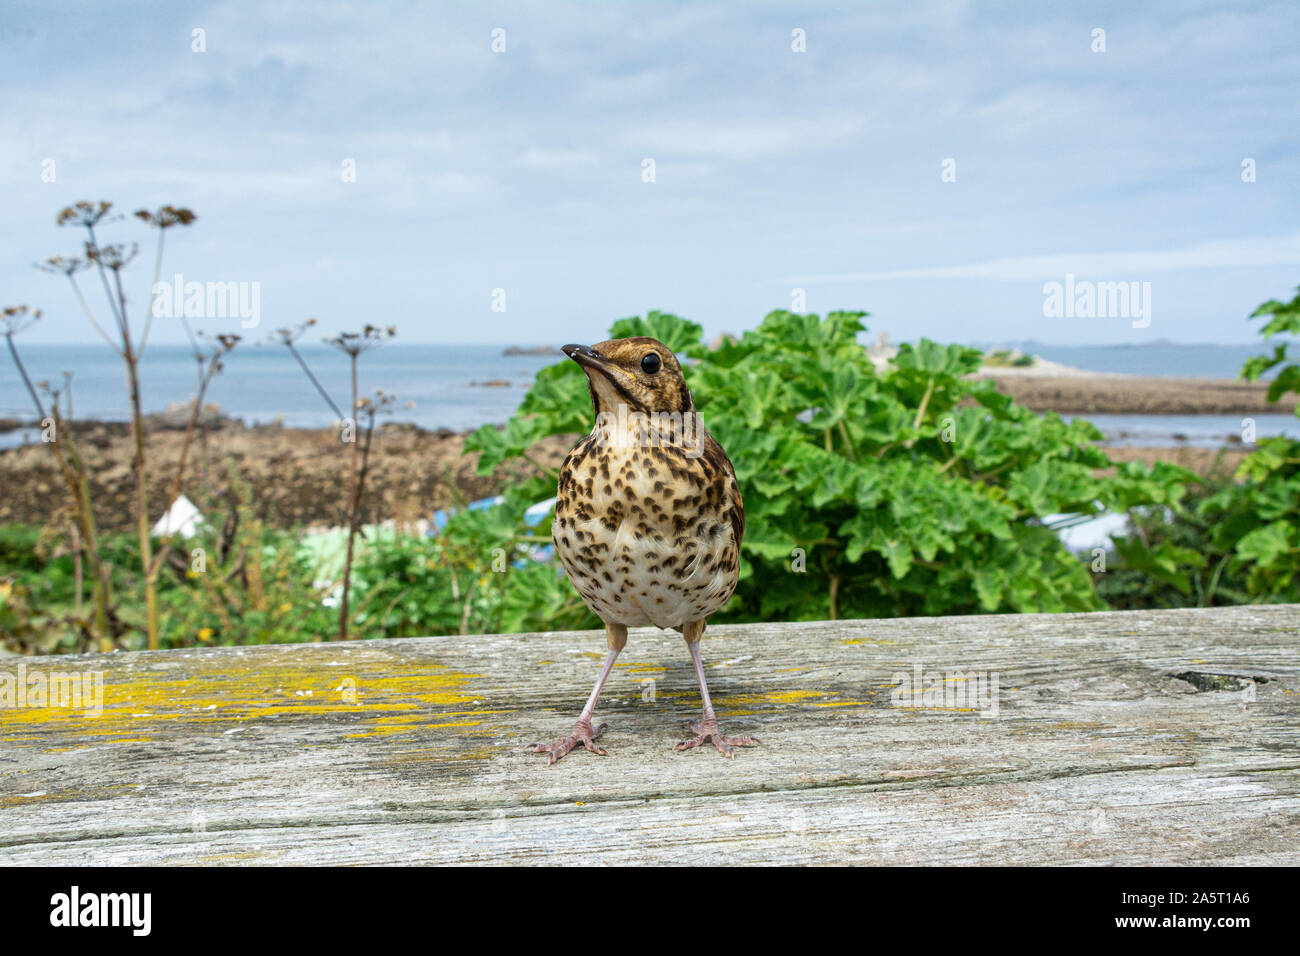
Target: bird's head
x=639, y=372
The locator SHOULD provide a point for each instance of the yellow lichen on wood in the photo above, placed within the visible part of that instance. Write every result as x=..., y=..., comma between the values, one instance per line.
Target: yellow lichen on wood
x=233, y=689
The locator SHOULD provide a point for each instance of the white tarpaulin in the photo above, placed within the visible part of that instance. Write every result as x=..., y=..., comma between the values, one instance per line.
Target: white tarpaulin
x=182, y=518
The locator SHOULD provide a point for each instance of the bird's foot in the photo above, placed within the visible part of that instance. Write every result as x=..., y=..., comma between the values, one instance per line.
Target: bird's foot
x=707, y=729
x=582, y=733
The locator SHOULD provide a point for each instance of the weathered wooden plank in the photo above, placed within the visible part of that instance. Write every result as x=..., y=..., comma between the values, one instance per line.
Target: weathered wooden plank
x=1177, y=816
x=1097, y=753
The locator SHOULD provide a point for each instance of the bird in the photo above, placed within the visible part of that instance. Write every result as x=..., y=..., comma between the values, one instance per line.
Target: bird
x=648, y=518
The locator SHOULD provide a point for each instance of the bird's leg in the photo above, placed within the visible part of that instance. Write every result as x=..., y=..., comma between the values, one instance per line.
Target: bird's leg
x=706, y=728
x=616, y=638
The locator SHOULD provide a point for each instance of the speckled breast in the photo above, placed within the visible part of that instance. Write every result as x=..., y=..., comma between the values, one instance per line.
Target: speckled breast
x=646, y=533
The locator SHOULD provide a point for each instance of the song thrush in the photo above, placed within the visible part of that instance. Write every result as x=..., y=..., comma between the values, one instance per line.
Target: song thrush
x=648, y=517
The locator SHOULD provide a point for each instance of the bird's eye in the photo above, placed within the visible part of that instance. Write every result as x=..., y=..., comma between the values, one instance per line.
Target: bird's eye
x=650, y=363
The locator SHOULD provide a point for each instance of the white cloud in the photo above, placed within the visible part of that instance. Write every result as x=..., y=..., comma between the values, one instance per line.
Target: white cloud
x=744, y=140
x=557, y=159
x=473, y=166
x=1219, y=254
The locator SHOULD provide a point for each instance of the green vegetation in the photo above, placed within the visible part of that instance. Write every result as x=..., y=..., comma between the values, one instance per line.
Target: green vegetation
x=916, y=490
x=242, y=610
x=1004, y=358
x=1239, y=542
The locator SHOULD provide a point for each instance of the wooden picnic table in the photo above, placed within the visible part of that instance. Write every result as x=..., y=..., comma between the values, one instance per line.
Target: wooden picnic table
x=1129, y=737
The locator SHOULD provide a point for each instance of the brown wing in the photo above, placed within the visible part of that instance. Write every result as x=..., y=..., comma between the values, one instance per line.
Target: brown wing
x=715, y=456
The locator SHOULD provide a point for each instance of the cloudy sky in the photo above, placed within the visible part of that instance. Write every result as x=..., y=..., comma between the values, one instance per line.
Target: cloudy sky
x=773, y=169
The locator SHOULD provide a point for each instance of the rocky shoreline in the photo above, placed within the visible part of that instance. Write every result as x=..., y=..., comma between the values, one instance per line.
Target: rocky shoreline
x=298, y=477
x=287, y=477
x=1097, y=394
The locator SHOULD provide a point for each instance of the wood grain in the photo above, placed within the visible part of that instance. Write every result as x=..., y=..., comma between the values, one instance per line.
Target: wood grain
x=1099, y=751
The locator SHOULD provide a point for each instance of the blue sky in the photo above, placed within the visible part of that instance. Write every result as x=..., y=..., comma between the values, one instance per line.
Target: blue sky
x=774, y=170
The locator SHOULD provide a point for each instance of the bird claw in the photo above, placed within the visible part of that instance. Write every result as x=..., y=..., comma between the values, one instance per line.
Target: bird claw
x=707, y=729
x=582, y=733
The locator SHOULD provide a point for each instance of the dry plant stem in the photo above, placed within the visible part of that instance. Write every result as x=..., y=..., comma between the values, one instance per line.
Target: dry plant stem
x=157, y=272
x=352, y=476
x=74, y=475
x=164, y=547
x=22, y=370
x=315, y=381
x=141, y=496
x=468, y=607
x=352, y=508
x=77, y=578
x=354, y=517
x=132, y=361
x=165, y=544
x=101, y=591
x=118, y=317
x=85, y=307
x=833, y=587
x=351, y=344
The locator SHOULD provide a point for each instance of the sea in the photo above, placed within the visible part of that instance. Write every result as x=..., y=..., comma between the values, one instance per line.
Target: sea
x=434, y=386
x=1162, y=359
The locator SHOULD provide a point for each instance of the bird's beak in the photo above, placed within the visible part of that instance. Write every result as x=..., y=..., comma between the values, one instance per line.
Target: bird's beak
x=588, y=357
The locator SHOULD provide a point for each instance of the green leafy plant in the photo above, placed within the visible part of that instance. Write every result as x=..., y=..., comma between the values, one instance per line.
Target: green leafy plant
x=475, y=577
x=916, y=491
x=41, y=564
x=1246, y=532
x=243, y=583
x=1169, y=559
